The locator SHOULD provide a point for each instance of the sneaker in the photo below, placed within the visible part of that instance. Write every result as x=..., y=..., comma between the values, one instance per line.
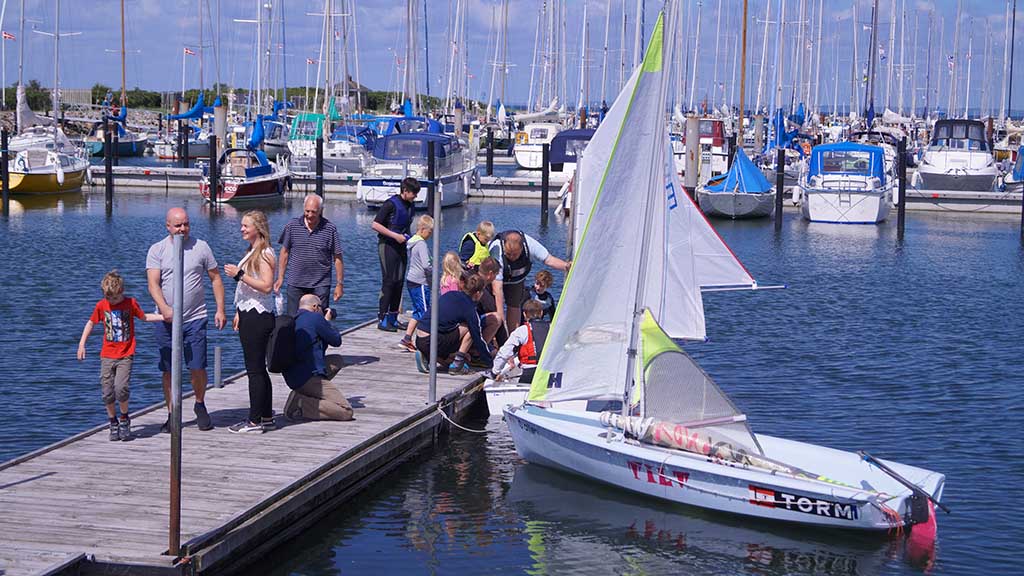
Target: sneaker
x=383, y=325
x=421, y=365
x=399, y=326
x=458, y=367
x=202, y=417
x=268, y=424
x=406, y=345
x=245, y=426
x=115, y=433
x=124, y=429
x=292, y=410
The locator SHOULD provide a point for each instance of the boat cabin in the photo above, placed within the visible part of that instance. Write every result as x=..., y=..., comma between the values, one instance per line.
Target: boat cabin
x=537, y=133
x=244, y=163
x=407, y=124
x=413, y=146
x=960, y=135
x=712, y=132
x=307, y=127
x=567, y=145
x=360, y=135
x=847, y=159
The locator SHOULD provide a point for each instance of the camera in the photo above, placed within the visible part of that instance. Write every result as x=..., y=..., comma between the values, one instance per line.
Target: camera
x=331, y=314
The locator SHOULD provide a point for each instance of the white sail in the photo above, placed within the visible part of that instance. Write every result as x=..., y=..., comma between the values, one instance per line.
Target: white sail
x=586, y=352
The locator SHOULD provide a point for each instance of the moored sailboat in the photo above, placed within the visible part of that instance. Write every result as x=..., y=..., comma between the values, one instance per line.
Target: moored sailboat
x=679, y=437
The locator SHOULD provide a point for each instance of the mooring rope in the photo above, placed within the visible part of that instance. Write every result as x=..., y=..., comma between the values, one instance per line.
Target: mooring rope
x=456, y=424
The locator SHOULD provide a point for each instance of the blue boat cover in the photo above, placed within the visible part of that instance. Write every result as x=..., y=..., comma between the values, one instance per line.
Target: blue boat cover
x=257, y=133
x=835, y=159
x=412, y=145
x=566, y=142
x=195, y=112
x=744, y=177
x=1018, y=167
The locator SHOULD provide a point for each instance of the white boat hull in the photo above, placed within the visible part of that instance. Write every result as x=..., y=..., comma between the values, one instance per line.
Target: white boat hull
x=374, y=191
x=846, y=206
x=576, y=442
x=529, y=156
x=736, y=204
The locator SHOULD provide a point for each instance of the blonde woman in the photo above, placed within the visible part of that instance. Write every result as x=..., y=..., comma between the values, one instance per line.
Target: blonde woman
x=254, y=317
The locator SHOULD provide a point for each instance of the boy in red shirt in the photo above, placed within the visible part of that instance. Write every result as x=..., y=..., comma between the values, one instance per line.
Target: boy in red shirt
x=117, y=314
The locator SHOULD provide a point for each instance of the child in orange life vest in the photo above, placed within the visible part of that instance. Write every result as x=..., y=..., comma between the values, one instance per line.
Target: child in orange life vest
x=524, y=343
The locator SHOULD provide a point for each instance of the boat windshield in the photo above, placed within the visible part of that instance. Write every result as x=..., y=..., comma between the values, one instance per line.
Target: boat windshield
x=538, y=134
x=846, y=162
x=307, y=128
x=960, y=136
x=403, y=149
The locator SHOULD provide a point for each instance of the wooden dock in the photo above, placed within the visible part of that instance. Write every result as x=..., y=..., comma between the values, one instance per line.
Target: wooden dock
x=87, y=505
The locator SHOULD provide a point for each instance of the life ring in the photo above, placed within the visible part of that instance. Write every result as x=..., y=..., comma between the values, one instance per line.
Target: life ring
x=806, y=147
x=522, y=137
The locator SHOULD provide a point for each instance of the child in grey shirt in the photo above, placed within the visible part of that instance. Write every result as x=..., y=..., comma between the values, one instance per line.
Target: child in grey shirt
x=417, y=276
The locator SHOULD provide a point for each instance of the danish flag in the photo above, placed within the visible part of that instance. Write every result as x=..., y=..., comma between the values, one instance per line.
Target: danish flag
x=189, y=51
x=8, y=35
x=310, y=61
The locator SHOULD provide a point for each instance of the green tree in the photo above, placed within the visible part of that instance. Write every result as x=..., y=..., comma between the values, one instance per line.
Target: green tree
x=99, y=92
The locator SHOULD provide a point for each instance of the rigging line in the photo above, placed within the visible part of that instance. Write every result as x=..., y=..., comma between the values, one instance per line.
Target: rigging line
x=456, y=424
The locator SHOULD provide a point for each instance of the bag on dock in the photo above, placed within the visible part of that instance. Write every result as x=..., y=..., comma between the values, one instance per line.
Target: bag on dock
x=281, y=347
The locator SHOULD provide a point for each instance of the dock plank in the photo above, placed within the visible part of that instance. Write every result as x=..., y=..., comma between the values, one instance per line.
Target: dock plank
x=109, y=500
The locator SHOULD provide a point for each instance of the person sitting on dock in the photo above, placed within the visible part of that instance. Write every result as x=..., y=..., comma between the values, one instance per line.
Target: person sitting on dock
x=313, y=396
x=524, y=343
x=392, y=225
x=309, y=245
x=516, y=251
x=117, y=313
x=199, y=260
x=458, y=328
x=473, y=247
x=418, y=277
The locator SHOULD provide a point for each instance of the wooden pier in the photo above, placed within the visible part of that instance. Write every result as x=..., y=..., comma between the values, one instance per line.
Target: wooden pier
x=87, y=505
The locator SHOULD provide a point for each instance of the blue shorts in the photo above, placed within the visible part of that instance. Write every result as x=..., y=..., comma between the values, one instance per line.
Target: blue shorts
x=193, y=341
x=419, y=295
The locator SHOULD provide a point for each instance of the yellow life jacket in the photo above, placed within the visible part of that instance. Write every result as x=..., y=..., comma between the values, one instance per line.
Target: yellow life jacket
x=479, y=250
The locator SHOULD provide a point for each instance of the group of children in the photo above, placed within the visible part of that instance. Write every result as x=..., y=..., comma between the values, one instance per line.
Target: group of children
x=456, y=267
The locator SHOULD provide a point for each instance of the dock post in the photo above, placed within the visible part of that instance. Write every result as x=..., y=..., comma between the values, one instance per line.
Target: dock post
x=320, y=166
x=780, y=185
x=214, y=171
x=159, y=123
x=732, y=151
x=184, y=144
x=5, y=173
x=901, y=206
x=692, y=155
x=114, y=139
x=218, y=380
x=435, y=285
x=431, y=174
x=174, y=519
x=108, y=173
x=178, y=149
x=545, y=182
x=490, y=151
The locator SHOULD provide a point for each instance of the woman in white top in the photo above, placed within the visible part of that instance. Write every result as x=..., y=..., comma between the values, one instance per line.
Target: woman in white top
x=254, y=317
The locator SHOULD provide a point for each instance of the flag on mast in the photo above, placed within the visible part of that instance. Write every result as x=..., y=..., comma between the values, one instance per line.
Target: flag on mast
x=8, y=35
x=189, y=51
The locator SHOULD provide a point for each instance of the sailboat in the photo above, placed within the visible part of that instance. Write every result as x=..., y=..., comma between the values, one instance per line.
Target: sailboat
x=742, y=192
x=45, y=162
x=679, y=437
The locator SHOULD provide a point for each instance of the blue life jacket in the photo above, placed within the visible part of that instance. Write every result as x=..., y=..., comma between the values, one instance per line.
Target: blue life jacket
x=401, y=221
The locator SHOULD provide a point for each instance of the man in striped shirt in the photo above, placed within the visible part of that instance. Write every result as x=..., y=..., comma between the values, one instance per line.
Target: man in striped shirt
x=309, y=245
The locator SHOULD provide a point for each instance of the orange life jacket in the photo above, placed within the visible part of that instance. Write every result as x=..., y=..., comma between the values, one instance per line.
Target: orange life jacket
x=529, y=353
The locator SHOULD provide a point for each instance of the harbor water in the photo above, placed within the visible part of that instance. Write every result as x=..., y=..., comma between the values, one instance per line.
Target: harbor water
x=909, y=350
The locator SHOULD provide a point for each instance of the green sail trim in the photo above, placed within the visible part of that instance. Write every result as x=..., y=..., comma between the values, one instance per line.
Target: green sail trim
x=653, y=342
x=542, y=378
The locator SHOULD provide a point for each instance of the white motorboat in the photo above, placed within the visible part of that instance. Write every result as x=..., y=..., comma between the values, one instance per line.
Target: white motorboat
x=398, y=156
x=846, y=183
x=958, y=158
x=529, y=147
x=678, y=438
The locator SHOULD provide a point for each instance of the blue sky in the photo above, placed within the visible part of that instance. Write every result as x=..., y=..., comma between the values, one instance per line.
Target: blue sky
x=157, y=31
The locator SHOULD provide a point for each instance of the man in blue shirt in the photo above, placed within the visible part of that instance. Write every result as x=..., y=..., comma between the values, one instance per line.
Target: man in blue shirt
x=458, y=327
x=313, y=396
x=309, y=245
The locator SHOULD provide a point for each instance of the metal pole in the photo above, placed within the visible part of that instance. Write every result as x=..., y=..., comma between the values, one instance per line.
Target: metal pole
x=214, y=179
x=545, y=181
x=320, y=166
x=431, y=173
x=490, y=151
x=780, y=184
x=732, y=149
x=5, y=175
x=901, y=206
x=174, y=521
x=218, y=381
x=114, y=139
x=108, y=170
x=435, y=292
x=184, y=144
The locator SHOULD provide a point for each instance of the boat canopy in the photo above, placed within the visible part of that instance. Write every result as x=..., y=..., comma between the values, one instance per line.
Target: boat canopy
x=847, y=158
x=744, y=177
x=960, y=134
x=358, y=134
x=307, y=126
x=1018, y=166
x=407, y=124
x=567, y=145
x=874, y=137
x=413, y=146
x=253, y=162
x=195, y=112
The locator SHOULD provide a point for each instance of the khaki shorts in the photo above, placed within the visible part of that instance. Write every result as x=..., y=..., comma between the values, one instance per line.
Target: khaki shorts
x=115, y=373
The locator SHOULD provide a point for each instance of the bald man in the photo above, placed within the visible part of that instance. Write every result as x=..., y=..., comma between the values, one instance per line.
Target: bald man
x=199, y=261
x=313, y=396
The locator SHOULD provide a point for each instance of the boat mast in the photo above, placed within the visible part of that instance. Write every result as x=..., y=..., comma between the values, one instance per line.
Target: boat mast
x=604, y=56
x=817, y=68
x=857, y=74
x=533, y=66
x=638, y=33
x=967, y=84
x=777, y=101
x=696, y=53
x=956, y=56
x=55, y=101
x=718, y=48
x=743, y=79
x=764, y=53
x=1006, y=64
x=622, y=47
x=124, y=99
x=869, y=91
x=1013, y=35
x=928, y=68
x=889, y=55
x=903, y=70
x=835, y=72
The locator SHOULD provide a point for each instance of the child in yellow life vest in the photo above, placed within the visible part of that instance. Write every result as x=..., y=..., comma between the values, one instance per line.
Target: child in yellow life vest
x=524, y=343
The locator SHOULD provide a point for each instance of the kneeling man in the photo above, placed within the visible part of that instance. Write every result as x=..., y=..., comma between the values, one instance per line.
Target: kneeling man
x=313, y=396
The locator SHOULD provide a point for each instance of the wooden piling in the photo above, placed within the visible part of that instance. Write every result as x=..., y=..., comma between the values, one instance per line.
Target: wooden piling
x=431, y=174
x=490, y=151
x=108, y=172
x=780, y=185
x=545, y=182
x=214, y=179
x=186, y=130
x=114, y=145
x=5, y=173
x=320, y=166
x=901, y=205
